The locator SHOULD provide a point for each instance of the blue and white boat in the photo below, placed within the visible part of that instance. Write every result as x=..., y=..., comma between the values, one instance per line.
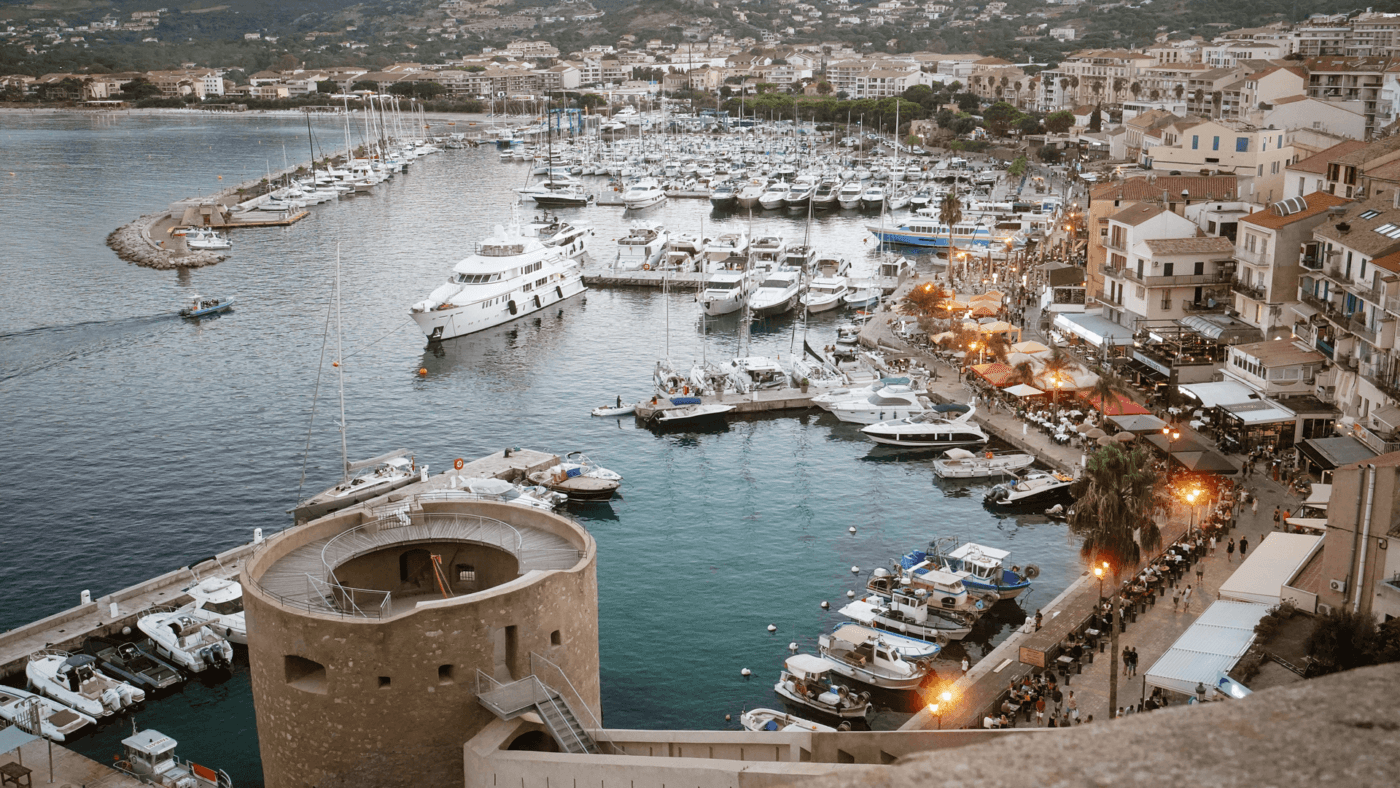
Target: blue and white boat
x=200, y=306
x=983, y=568
x=907, y=647
x=930, y=234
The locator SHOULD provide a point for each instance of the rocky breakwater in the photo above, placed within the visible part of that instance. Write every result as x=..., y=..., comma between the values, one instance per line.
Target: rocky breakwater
x=132, y=242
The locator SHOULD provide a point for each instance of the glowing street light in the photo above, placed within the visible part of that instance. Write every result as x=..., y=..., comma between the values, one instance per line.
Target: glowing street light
x=933, y=709
x=1098, y=572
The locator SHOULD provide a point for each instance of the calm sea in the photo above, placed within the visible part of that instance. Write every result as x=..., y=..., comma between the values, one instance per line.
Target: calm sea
x=137, y=442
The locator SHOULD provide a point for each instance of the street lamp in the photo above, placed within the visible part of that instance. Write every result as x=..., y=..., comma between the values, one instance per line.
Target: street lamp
x=933, y=709
x=1098, y=572
x=1173, y=435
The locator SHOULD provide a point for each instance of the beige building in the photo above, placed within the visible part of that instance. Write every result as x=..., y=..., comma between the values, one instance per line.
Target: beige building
x=1256, y=156
x=1361, y=559
x=1160, y=268
x=1267, y=245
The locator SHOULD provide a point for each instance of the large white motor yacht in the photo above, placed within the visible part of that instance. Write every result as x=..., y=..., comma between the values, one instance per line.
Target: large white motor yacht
x=642, y=247
x=643, y=193
x=509, y=276
x=825, y=293
x=725, y=292
x=777, y=293
x=938, y=428
x=882, y=405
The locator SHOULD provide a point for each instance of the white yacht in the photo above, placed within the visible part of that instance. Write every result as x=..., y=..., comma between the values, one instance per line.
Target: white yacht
x=725, y=292
x=873, y=198
x=963, y=464
x=936, y=428
x=769, y=251
x=862, y=295
x=186, y=640
x=799, y=195
x=880, y=406
x=1033, y=490
x=200, y=238
x=777, y=293
x=219, y=603
x=751, y=373
x=860, y=393
x=750, y=195
x=825, y=293
x=723, y=195
x=567, y=237
x=726, y=251
x=642, y=248
x=75, y=681
x=643, y=193
x=508, y=277
x=775, y=196
x=684, y=252
x=502, y=491
x=557, y=193
x=849, y=195
x=56, y=721
x=866, y=657
x=908, y=612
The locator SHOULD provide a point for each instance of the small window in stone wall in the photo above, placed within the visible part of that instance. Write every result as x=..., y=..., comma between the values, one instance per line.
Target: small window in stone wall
x=384, y=682
x=555, y=639
x=304, y=674
x=445, y=674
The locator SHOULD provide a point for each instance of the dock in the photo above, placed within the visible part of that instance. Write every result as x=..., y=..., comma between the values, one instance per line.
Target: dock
x=55, y=765
x=606, y=276
x=753, y=402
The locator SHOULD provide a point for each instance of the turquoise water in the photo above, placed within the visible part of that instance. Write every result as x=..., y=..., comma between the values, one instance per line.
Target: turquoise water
x=139, y=442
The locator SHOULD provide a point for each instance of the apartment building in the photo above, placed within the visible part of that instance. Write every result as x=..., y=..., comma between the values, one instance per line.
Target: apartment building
x=1269, y=261
x=1353, y=79
x=1257, y=156
x=1160, y=268
x=1360, y=565
x=1309, y=175
x=1093, y=76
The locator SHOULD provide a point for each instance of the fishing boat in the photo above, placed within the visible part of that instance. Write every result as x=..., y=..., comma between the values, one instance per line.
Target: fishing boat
x=200, y=306
x=931, y=429
x=880, y=406
x=908, y=612
x=863, y=655
x=774, y=720
x=186, y=640
x=806, y=681
x=983, y=568
x=381, y=475
x=914, y=571
x=219, y=602
x=963, y=464
x=150, y=757
x=579, y=478
x=1038, y=489
x=691, y=414
x=907, y=647
x=133, y=662
x=777, y=293
x=74, y=681
x=56, y=721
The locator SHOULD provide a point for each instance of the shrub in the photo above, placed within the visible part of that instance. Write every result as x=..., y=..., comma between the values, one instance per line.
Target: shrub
x=1343, y=640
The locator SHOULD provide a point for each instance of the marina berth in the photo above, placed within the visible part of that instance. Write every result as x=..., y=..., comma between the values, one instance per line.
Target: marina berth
x=508, y=277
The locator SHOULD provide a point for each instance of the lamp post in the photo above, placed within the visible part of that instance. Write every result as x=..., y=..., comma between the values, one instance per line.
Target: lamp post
x=1114, y=626
x=1173, y=435
x=1191, y=501
x=1098, y=572
x=933, y=709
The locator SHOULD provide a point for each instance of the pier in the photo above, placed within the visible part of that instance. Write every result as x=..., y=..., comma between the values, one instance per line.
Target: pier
x=753, y=402
x=606, y=276
x=51, y=764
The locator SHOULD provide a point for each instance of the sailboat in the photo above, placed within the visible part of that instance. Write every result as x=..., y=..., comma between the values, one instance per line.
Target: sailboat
x=363, y=479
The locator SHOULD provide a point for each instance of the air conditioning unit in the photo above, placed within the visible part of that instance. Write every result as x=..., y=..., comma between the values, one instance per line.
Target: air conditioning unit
x=1340, y=586
x=1324, y=609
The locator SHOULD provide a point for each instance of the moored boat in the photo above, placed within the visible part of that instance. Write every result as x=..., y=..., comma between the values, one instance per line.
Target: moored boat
x=691, y=414
x=773, y=720
x=963, y=464
x=579, y=478
x=806, y=681
x=865, y=656
x=1036, y=489
x=74, y=681
x=56, y=721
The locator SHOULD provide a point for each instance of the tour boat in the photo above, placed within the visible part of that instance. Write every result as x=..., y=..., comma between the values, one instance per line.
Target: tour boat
x=825, y=293
x=865, y=656
x=725, y=292
x=880, y=406
x=56, y=721
x=806, y=681
x=931, y=429
x=643, y=193
x=963, y=464
x=849, y=195
x=691, y=414
x=75, y=681
x=907, y=647
x=200, y=238
x=908, y=613
x=134, y=663
x=776, y=294
x=1032, y=490
x=643, y=247
x=200, y=306
x=186, y=640
x=150, y=757
x=983, y=568
x=510, y=276
x=774, y=720
x=931, y=234
x=381, y=475
x=220, y=602
x=579, y=478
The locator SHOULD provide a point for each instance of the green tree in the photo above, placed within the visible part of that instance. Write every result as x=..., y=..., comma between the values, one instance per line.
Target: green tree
x=139, y=88
x=366, y=84
x=1113, y=506
x=1059, y=122
x=968, y=102
x=1055, y=371
x=1049, y=155
x=824, y=88
x=1106, y=389
x=1017, y=167
x=913, y=141
x=1096, y=120
x=327, y=86
x=950, y=213
x=591, y=100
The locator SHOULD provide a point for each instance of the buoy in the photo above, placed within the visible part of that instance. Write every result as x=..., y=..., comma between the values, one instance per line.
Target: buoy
x=852, y=529
x=745, y=672
x=772, y=628
x=826, y=605
x=422, y=372
x=855, y=570
x=727, y=718
x=126, y=630
x=335, y=363
x=850, y=595
x=792, y=646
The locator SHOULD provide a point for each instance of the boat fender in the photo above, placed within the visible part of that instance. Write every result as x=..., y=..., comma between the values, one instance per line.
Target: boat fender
x=458, y=463
x=988, y=455
x=646, y=266
x=980, y=605
x=1032, y=571
x=843, y=691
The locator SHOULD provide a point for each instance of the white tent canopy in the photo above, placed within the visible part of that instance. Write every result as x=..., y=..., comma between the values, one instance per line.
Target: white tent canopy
x=1022, y=390
x=1272, y=563
x=1207, y=648
x=1221, y=392
x=1320, y=496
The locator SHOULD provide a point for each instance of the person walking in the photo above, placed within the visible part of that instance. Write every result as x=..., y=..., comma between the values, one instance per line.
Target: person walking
x=1244, y=545
x=1073, y=706
x=1186, y=600
x=1254, y=506
x=1127, y=659
x=965, y=665
x=1212, y=543
x=1278, y=516
x=1230, y=551
x=1135, y=661
x=1200, y=572
x=1176, y=601
x=1040, y=711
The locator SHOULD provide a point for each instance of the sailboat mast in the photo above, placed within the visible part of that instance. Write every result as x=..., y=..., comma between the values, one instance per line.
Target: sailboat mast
x=340, y=372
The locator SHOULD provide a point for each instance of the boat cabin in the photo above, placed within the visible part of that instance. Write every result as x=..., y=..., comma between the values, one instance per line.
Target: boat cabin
x=76, y=672
x=858, y=647
x=219, y=596
x=980, y=562
x=150, y=756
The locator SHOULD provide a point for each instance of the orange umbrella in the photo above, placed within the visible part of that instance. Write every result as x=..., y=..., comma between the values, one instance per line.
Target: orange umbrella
x=996, y=373
x=982, y=310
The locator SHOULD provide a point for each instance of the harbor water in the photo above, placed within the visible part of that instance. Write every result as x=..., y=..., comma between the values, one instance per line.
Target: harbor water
x=138, y=442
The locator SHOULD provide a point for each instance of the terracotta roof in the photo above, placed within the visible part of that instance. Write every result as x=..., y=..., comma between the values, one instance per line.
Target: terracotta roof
x=1208, y=244
x=1317, y=163
x=1317, y=202
x=1137, y=214
x=1390, y=262
x=1372, y=150
x=1202, y=187
x=1289, y=100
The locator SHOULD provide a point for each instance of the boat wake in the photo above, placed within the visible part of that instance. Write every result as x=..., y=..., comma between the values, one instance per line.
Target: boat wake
x=24, y=353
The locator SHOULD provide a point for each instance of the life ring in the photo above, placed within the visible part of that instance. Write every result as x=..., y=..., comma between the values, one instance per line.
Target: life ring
x=989, y=455
x=646, y=266
x=458, y=463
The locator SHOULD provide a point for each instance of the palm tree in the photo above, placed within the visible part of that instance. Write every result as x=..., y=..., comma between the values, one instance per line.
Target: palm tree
x=950, y=213
x=1216, y=97
x=1135, y=89
x=1156, y=94
x=1016, y=96
x=1024, y=372
x=1106, y=389
x=1179, y=90
x=1118, y=84
x=1113, y=505
x=1198, y=98
x=1055, y=370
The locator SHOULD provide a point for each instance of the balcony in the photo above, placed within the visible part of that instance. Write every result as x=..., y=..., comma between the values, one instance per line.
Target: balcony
x=1105, y=298
x=1248, y=291
x=1217, y=278
x=1117, y=245
x=1374, y=441
x=1110, y=271
x=1311, y=262
x=1375, y=295
x=1334, y=272
x=1359, y=328
x=1245, y=255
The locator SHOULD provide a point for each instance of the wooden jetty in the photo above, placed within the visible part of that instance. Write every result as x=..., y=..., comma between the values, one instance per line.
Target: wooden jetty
x=753, y=402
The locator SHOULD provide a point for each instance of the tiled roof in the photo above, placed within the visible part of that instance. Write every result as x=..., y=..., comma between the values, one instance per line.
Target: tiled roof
x=1390, y=262
x=1317, y=202
x=1207, y=244
x=1137, y=214
x=1202, y=187
x=1360, y=234
x=1372, y=150
x=1317, y=163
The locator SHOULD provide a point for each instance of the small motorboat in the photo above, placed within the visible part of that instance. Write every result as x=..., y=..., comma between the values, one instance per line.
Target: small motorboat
x=200, y=238
x=56, y=721
x=983, y=568
x=862, y=296
x=905, y=646
x=133, y=662
x=619, y=410
x=74, y=681
x=863, y=655
x=691, y=414
x=1037, y=489
x=382, y=474
x=219, y=602
x=963, y=464
x=908, y=612
x=150, y=757
x=945, y=589
x=774, y=720
x=186, y=640
x=502, y=491
x=200, y=306
x=579, y=478
x=806, y=681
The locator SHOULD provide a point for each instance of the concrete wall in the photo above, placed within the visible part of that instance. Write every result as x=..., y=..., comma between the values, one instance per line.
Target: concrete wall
x=369, y=702
x=1348, y=538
